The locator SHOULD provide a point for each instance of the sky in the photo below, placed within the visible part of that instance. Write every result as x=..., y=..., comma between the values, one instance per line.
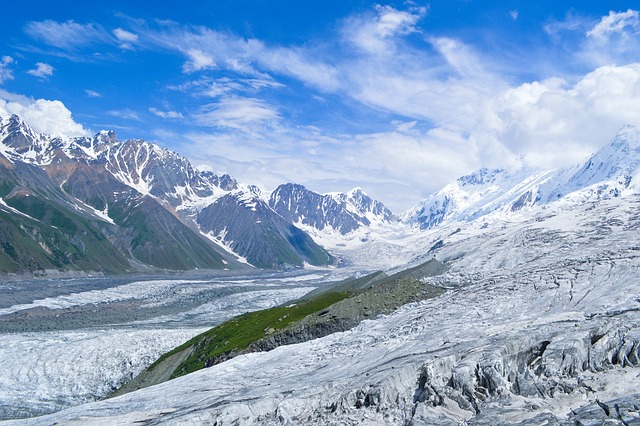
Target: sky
x=398, y=98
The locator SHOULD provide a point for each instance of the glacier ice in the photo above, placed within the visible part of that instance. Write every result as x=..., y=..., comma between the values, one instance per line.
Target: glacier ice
x=540, y=323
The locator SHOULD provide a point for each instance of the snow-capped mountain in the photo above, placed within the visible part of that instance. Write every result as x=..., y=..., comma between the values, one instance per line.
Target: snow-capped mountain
x=149, y=198
x=243, y=221
x=500, y=194
x=141, y=165
x=343, y=212
x=162, y=173
x=612, y=171
x=478, y=194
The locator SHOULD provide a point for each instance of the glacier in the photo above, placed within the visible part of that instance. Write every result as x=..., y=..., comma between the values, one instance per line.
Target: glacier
x=540, y=324
x=81, y=339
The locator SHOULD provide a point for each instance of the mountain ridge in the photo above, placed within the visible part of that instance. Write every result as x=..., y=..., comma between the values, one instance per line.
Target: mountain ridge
x=105, y=178
x=611, y=171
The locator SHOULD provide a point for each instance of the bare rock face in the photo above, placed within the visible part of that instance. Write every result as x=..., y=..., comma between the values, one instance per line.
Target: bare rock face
x=252, y=229
x=343, y=212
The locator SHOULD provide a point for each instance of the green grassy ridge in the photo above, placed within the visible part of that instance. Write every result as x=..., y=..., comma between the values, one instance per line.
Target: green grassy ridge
x=350, y=285
x=334, y=307
x=237, y=334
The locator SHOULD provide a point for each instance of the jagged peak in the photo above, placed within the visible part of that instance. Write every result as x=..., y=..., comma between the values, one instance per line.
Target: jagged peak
x=291, y=187
x=481, y=176
x=107, y=137
x=357, y=192
x=15, y=123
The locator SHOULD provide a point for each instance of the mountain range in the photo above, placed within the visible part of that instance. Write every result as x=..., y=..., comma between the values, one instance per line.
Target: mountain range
x=534, y=320
x=100, y=204
x=104, y=205
x=500, y=194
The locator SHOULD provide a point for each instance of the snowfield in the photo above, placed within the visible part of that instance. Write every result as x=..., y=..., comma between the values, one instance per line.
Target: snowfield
x=540, y=325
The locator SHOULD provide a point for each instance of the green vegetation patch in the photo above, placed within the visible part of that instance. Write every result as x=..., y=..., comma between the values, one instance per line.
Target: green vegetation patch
x=334, y=307
x=234, y=336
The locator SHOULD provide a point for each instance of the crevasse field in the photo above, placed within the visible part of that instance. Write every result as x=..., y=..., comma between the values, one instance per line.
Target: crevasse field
x=540, y=324
x=68, y=341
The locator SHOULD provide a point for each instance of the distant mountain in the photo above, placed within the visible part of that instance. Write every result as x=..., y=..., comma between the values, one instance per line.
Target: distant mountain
x=143, y=205
x=247, y=224
x=499, y=194
x=610, y=172
x=476, y=195
x=343, y=212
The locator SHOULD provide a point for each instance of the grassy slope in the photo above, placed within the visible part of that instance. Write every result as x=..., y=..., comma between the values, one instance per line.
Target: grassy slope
x=234, y=336
x=335, y=307
x=57, y=239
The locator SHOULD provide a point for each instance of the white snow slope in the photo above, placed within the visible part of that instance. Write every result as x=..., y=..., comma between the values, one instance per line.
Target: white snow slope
x=541, y=318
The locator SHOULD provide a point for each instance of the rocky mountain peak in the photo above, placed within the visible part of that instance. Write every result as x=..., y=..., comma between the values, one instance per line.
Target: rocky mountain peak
x=342, y=212
x=17, y=134
x=105, y=137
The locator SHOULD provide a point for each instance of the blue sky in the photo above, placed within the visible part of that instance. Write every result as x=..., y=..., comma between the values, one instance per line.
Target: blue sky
x=398, y=98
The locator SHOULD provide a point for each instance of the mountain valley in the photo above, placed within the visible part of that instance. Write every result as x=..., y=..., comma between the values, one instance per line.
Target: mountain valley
x=533, y=318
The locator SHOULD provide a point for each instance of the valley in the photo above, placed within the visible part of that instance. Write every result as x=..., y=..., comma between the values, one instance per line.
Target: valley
x=539, y=324
x=510, y=296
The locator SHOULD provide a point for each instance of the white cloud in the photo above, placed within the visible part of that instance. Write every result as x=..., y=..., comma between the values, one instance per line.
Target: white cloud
x=616, y=23
x=222, y=86
x=208, y=49
x=45, y=116
x=614, y=39
x=248, y=115
x=92, y=93
x=68, y=35
x=570, y=23
x=166, y=114
x=198, y=60
x=42, y=70
x=297, y=63
x=513, y=14
x=372, y=35
x=5, y=72
x=125, y=114
x=554, y=123
x=125, y=38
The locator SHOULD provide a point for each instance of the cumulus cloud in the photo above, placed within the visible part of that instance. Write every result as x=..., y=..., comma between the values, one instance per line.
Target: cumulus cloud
x=555, y=123
x=166, y=114
x=125, y=38
x=42, y=70
x=6, y=73
x=92, y=93
x=45, y=116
